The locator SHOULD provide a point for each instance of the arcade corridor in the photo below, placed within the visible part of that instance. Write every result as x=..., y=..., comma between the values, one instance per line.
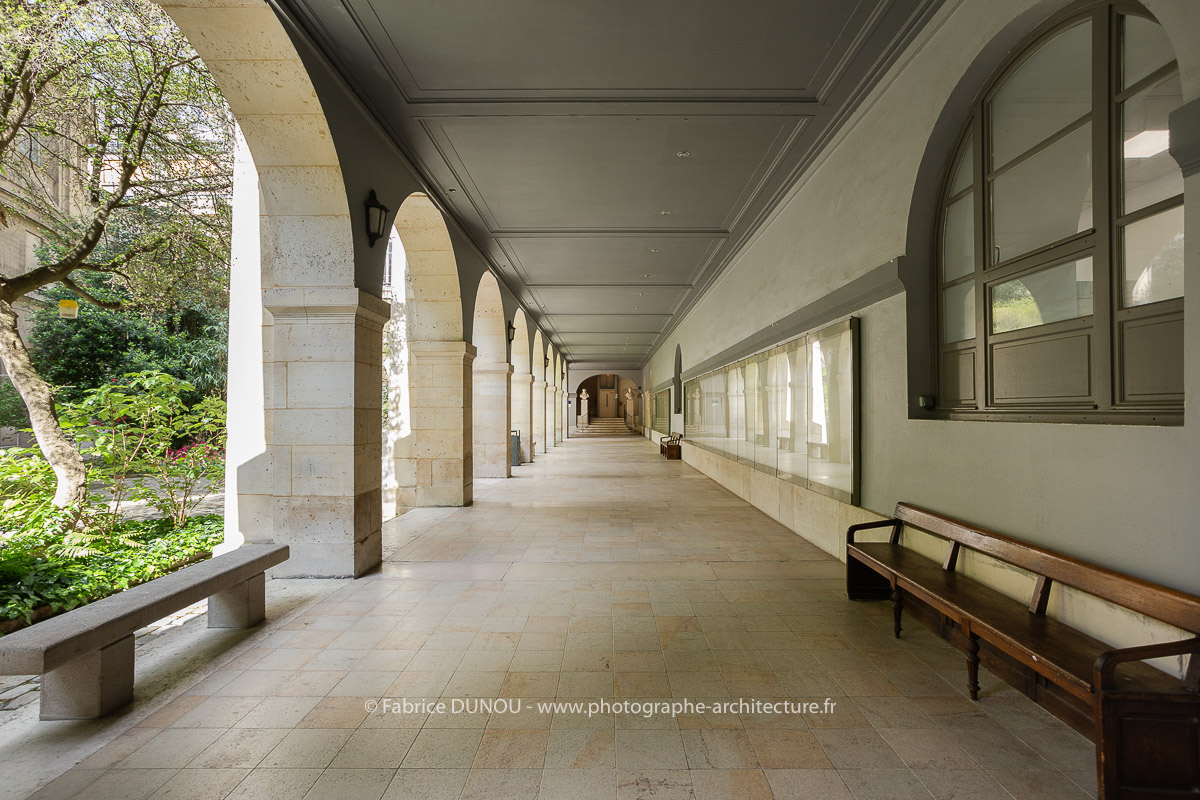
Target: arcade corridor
x=600, y=571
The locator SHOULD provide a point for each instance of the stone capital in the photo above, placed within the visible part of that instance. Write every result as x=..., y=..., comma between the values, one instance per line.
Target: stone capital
x=325, y=304
x=426, y=352
x=492, y=368
x=523, y=378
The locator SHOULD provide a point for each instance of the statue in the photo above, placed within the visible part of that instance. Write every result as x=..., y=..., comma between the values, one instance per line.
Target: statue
x=583, y=407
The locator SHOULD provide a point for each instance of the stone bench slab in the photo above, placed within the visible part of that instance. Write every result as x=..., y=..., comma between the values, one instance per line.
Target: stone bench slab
x=58, y=641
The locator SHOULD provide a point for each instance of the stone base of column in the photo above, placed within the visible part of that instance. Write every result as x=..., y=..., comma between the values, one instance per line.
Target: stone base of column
x=435, y=468
x=539, y=416
x=490, y=413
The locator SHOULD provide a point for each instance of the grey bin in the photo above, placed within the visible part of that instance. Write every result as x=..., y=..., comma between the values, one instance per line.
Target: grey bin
x=515, y=450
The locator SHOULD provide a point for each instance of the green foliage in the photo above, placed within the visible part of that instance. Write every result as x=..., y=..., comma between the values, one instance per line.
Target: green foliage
x=12, y=407
x=149, y=445
x=36, y=573
x=27, y=488
x=86, y=353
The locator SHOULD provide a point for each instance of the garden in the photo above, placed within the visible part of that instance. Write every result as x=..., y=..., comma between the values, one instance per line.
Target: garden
x=143, y=443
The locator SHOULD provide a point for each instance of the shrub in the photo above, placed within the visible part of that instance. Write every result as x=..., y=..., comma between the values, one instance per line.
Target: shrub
x=12, y=407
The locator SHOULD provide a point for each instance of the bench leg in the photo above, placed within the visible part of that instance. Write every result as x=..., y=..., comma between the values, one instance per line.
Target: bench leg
x=92, y=685
x=973, y=666
x=239, y=606
x=897, y=610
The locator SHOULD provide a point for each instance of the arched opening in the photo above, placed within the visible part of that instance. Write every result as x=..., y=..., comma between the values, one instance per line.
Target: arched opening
x=521, y=394
x=548, y=362
x=560, y=405
x=397, y=417
x=292, y=290
x=490, y=382
x=538, y=393
x=605, y=403
x=432, y=463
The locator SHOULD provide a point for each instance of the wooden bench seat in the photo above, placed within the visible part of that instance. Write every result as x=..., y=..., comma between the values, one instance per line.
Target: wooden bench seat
x=86, y=655
x=1145, y=722
x=1066, y=655
x=670, y=447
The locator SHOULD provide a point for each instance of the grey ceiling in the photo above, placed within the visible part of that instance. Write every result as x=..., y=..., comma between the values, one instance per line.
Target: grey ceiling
x=556, y=132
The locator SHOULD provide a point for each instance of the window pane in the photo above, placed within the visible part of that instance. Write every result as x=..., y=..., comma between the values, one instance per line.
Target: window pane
x=1150, y=173
x=958, y=250
x=1154, y=258
x=793, y=448
x=1146, y=49
x=959, y=312
x=831, y=413
x=1052, y=295
x=1047, y=198
x=963, y=174
x=1047, y=93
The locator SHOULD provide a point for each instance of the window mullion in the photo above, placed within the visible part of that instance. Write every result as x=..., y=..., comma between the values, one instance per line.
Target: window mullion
x=982, y=201
x=1104, y=197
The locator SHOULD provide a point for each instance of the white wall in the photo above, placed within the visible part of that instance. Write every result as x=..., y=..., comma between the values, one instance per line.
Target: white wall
x=1123, y=496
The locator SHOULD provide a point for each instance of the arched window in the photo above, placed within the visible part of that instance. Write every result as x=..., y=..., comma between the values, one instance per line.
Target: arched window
x=1060, y=269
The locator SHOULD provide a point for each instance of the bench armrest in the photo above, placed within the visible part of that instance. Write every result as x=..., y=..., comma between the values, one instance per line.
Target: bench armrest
x=1104, y=671
x=894, y=524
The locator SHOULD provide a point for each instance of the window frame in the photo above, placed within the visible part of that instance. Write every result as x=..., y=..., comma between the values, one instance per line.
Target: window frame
x=1103, y=242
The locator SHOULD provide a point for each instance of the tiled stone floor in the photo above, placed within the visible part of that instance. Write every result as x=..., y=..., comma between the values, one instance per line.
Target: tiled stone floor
x=600, y=571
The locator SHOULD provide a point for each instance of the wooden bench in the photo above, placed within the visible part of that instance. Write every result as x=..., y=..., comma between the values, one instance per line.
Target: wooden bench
x=86, y=655
x=1146, y=723
x=669, y=446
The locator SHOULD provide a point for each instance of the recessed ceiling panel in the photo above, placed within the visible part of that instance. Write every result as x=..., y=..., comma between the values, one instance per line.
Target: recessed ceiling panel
x=607, y=47
x=584, y=299
x=619, y=338
x=600, y=260
x=612, y=173
x=599, y=351
x=567, y=323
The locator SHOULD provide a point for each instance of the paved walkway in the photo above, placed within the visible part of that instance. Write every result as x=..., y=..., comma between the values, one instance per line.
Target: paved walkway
x=600, y=573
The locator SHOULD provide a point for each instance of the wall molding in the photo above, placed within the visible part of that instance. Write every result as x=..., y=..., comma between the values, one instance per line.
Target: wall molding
x=1185, y=137
x=878, y=284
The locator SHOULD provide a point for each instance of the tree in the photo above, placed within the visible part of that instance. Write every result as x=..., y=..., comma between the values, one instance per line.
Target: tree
x=107, y=102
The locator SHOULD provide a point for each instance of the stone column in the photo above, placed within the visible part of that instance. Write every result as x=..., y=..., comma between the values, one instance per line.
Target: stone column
x=491, y=416
x=324, y=430
x=434, y=464
x=522, y=412
x=539, y=416
x=560, y=415
x=551, y=439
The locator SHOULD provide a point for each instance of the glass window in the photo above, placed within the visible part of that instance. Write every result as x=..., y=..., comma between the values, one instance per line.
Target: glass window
x=1044, y=199
x=1051, y=295
x=1149, y=173
x=958, y=253
x=1146, y=49
x=1153, y=256
x=959, y=313
x=1080, y=228
x=1049, y=91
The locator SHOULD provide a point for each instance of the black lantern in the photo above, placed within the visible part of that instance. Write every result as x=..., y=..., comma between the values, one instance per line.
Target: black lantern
x=547, y=359
x=512, y=332
x=376, y=219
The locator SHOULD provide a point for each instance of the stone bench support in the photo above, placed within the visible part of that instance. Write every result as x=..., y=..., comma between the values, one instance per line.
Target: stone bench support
x=86, y=655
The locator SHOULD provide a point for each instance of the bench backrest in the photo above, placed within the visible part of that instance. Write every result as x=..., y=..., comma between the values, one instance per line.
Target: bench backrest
x=1145, y=597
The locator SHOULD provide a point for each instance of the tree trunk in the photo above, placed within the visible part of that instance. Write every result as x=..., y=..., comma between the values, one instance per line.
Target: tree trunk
x=64, y=459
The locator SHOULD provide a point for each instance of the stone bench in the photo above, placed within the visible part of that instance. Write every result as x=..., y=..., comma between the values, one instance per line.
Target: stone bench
x=86, y=655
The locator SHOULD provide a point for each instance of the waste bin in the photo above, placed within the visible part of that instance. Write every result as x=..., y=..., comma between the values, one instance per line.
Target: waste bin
x=515, y=450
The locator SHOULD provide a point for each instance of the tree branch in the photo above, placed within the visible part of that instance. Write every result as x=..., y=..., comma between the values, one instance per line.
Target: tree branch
x=79, y=290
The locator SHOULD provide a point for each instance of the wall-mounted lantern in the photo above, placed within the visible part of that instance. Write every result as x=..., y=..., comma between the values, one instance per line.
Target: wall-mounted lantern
x=68, y=309
x=376, y=219
x=512, y=332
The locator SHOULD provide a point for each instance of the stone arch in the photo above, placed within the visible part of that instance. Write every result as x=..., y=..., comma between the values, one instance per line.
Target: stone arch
x=521, y=386
x=437, y=313
x=293, y=259
x=432, y=465
x=538, y=392
x=490, y=380
x=548, y=376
